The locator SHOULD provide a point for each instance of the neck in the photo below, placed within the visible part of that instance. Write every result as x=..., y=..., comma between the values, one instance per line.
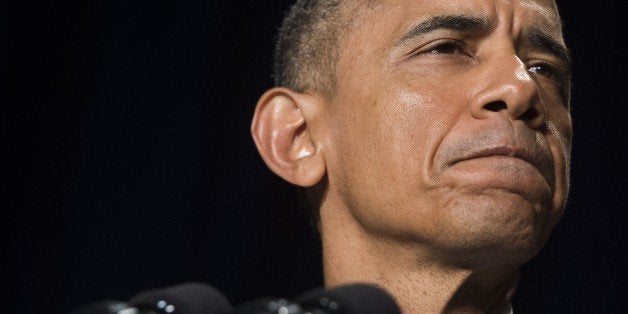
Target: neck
x=419, y=281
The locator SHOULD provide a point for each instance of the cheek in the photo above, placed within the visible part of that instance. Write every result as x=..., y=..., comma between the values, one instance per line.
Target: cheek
x=559, y=139
x=411, y=124
x=409, y=127
x=414, y=128
x=388, y=145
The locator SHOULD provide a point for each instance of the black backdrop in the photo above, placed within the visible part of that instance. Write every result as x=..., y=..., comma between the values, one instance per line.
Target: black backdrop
x=130, y=165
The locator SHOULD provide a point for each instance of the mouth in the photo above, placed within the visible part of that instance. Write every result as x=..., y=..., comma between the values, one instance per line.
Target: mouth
x=538, y=159
x=534, y=159
x=525, y=171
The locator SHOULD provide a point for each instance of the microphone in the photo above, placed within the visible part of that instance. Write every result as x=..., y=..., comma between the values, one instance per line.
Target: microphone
x=347, y=299
x=199, y=298
x=186, y=298
x=102, y=307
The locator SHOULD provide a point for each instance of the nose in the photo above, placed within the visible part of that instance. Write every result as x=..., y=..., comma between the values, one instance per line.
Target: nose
x=508, y=88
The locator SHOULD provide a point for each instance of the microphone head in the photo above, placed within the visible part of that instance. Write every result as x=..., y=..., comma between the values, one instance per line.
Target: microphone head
x=101, y=307
x=186, y=298
x=355, y=298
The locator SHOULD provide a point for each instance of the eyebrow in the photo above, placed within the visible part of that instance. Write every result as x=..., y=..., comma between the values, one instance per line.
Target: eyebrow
x=465, y=23
x=459, y=23
x=542, y=40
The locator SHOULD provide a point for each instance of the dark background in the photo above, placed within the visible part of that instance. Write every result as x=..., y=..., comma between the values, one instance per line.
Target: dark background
x=130, y=165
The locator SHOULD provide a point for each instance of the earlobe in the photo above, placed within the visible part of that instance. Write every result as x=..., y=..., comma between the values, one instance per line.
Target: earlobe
x=283, y=136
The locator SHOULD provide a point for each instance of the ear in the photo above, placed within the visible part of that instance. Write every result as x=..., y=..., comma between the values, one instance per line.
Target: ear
x=282, y=132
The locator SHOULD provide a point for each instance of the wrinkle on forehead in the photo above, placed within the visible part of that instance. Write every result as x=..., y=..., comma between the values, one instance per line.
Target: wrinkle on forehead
x=393, y=18
x=546, y=10
x=549, y=7
x=521, y=14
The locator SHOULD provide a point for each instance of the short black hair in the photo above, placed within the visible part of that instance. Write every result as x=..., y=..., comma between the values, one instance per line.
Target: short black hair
x=307, y=46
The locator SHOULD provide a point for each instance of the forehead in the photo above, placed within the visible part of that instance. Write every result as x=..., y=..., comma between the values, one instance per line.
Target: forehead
x=376, y=28
x=393, y=17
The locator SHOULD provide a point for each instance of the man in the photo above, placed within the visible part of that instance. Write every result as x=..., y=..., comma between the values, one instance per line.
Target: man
x=432, y=139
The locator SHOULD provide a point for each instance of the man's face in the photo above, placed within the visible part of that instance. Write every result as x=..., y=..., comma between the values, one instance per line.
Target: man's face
x=451, y=127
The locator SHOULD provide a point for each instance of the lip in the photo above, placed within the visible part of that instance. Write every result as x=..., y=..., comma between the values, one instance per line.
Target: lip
x=505, y=151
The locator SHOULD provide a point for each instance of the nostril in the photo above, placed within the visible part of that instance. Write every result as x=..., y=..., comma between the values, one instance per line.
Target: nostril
x=495, y=106
x=531, y=114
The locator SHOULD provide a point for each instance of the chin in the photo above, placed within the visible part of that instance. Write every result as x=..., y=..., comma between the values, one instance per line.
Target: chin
x=498, y=253
x=499, y=228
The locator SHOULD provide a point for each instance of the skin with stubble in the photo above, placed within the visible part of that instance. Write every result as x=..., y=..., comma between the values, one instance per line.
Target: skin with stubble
x=440, y=163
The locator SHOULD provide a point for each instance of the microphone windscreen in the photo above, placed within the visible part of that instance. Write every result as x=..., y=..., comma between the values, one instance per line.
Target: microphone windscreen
x=101, y=307
x=350, y=299
x=186, y=298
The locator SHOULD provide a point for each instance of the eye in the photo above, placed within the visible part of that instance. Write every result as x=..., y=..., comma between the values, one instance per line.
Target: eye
x=543, y=69
x=448, y=47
